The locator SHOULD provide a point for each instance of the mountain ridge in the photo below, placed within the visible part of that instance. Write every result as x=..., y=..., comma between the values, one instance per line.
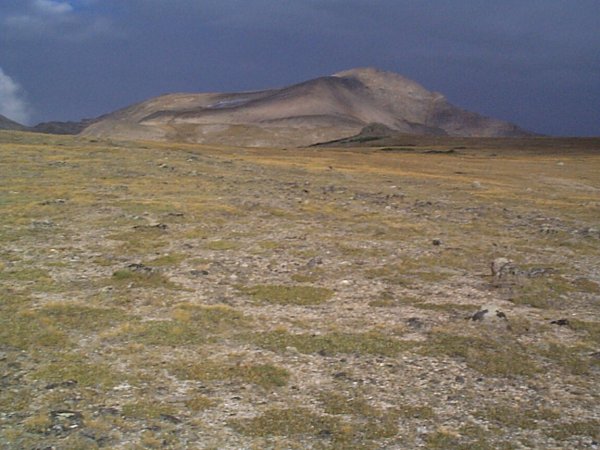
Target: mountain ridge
x=318, y=110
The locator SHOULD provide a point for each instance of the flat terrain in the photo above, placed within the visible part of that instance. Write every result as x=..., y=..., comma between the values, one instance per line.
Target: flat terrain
x=158, y=295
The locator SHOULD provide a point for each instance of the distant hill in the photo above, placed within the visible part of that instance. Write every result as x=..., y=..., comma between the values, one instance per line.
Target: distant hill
x=62, y=127
x=7, y=124
x=318, y=110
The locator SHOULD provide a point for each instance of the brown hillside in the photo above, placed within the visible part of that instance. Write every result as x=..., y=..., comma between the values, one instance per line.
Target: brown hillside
x=318, y=110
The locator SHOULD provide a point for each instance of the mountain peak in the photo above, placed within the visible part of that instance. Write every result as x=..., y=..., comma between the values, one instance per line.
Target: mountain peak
x=318, y=110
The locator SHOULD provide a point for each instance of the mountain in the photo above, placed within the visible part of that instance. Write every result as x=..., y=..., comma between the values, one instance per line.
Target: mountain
x=62, y=127
x=7, y=124
x=318, y=110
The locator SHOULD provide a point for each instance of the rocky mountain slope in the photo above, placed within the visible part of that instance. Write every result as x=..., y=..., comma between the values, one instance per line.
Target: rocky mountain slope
x=7, y=124
x=318, y=110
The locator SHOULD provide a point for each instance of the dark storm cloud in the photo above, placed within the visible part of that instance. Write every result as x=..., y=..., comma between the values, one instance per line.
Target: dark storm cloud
x=531, y=62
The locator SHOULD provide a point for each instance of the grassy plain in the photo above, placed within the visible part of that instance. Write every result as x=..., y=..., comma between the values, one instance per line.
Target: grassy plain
x=160, y=295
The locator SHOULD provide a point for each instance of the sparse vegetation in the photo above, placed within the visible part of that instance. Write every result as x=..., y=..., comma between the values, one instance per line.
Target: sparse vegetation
x=370, y=343
x=289, y=295
x=165, y=294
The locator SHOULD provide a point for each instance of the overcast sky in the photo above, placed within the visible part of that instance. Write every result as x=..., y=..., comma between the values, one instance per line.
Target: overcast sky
x=532, y=62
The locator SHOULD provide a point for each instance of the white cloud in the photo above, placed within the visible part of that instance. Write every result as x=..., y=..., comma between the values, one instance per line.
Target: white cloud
x=52, y=7
x=12, y=102
x=57, y=19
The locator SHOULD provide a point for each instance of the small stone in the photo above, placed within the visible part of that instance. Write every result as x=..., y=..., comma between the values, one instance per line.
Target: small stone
x=198, y=273
x=503, y=266
x=560, y=322
x=436, y=242
x=415, y=322
x=479, y=315
x=488, y=313
x=313, y=262
x=170, y=418
x=137, y=267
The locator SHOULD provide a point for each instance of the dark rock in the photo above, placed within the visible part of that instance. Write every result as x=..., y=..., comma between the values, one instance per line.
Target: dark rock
x=170, y=418
x=539, y=272
x=65, y=421
x=488, y=313
x=109, y=411
x=198, y=273
x=324, y=434
x=158, y=226
x=316, y=261
x=459, y=379
x=58, y=201
x=137, y=267
x=479, y=315
x=560, y=322
x=415, y=322
x=436, y=242
x=63, y=384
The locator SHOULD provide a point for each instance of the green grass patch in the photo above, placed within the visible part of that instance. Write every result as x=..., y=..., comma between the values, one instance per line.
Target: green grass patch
x=544, y=293
x=265, y=375
x=200, y=403
x=522, y=418
x=289, y=295
x=141, y=242
x=189, y=325
x=147, y=409
x=305, y=278
x=76, y=368
x=28, y=330
x=222, y=245
x=372, y=343
x=81, y=317
x=173, y=259
x=503, y=357
x=362, y=432
x=569, y=359
x=141, y=279
x=288, y=422
x=590, y=329
x=587, y=428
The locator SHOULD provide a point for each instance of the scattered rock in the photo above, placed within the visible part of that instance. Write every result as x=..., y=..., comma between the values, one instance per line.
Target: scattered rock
x=199, y=273
x=316, y=261
x=415, y=322
x=42, y=224
x=502, y=267
x=158, y=226
x=170, y=418
x=560, y=322
x=539, y=272
x=58, y=201
x=488, y=313
x=62, y=384
x=137, y=267
x=65, y=421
